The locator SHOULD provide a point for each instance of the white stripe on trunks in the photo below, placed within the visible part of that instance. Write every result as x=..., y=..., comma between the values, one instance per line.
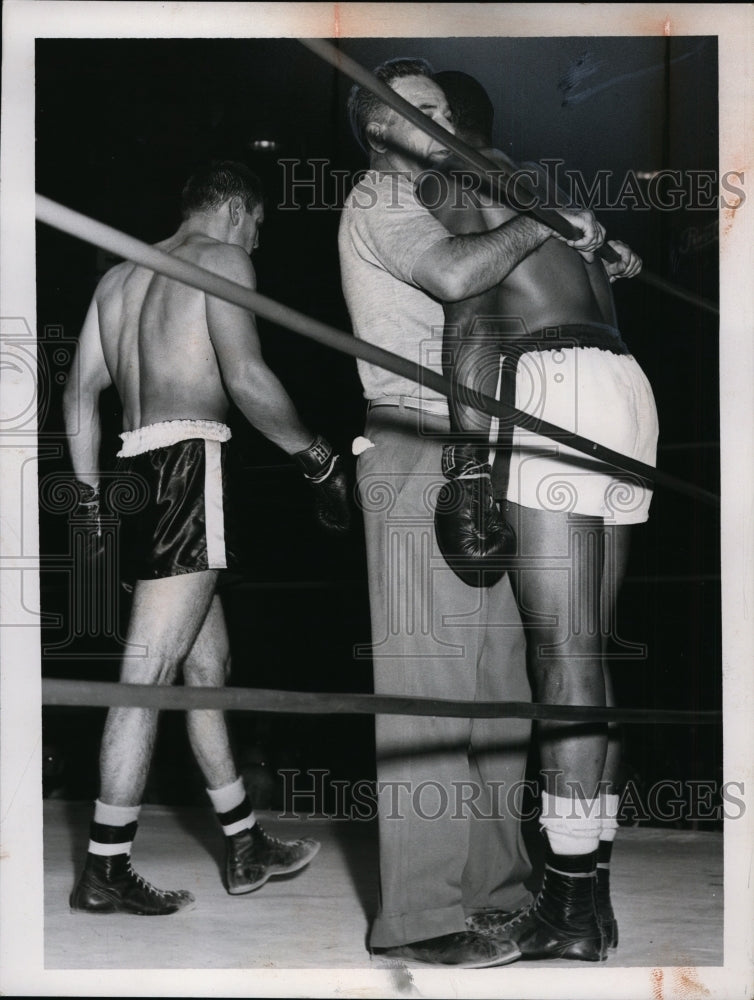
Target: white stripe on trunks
x=214, y=520
x=495, y=421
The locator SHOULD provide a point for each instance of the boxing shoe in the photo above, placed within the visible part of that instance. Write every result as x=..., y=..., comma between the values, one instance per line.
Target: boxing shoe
x=562, y=921
x=253, y=856
x=463, y=949
x=470, y=530
x=324, y=472
x=491, y=922
x=605, y=908
x=110, y=885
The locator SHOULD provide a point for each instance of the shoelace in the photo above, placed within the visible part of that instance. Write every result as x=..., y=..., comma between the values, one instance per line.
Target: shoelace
x=146, y=886
x=532, y=908
x=275, y=841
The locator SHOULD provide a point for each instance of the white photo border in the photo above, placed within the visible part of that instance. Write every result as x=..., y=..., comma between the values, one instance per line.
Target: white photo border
x=21, y=902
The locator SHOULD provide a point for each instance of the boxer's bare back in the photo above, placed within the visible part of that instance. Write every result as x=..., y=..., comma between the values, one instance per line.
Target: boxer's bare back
x=175, y=353
x=156, y=336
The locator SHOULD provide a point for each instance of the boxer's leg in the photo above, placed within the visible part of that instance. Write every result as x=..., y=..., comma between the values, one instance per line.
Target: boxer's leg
x=208, y=665
x=558, y=590
x=558, y=585
x=252, y=856
x=617, y=538
x=617, y=545
x=166, y=617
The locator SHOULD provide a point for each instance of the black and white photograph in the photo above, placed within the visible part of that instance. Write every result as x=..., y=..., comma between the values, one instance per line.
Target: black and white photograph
x=376, y=548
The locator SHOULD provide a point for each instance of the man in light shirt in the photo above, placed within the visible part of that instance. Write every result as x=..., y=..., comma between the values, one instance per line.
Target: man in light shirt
x=449, y=848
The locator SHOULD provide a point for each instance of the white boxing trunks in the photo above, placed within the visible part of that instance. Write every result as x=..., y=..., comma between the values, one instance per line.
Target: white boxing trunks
x=600, y=395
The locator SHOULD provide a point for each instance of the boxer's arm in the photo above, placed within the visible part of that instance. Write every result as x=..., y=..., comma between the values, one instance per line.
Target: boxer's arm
x=458, y=267
x=260, y=396
x=468, y=358
x=628, y=265
x=252, y=386
x=88, y=377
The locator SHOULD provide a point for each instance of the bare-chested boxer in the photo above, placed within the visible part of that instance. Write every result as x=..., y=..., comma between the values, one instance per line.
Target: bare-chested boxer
x=178, y=358
x=433, y=634
x=546, y=338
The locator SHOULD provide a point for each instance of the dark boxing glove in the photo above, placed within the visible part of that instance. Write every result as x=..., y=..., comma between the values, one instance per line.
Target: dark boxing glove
x=87, y=518
x=471, y=532
x=324, y=471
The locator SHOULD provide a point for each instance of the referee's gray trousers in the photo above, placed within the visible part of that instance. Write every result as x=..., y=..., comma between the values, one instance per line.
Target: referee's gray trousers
x=450, y=842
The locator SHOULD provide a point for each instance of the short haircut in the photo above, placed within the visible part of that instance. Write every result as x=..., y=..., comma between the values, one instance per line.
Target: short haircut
x=365, y=107
x=470, y=106
x=212, y=185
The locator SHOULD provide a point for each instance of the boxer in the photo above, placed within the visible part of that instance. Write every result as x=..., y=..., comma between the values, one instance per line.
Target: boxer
x=178, y=358
x=546, y=336
x=433, y=635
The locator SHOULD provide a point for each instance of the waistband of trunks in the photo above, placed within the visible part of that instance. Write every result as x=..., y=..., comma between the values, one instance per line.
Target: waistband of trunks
x=556, y=338
x=168, y=432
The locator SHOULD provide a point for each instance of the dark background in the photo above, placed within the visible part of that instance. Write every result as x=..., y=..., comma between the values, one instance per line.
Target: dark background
x=121, y=124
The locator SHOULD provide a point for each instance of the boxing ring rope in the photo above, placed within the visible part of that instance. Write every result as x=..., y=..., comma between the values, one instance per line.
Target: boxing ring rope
x=680, y=293
x=491, y=172
x=122, y=245
x=103, y=694
x=61, y=693
x=67, y=693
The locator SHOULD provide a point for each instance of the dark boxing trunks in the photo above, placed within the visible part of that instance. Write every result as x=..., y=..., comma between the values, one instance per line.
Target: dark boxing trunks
x=175, y=473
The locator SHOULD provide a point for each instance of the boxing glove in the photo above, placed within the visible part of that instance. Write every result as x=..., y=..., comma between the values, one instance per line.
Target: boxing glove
x=323, y=470
x=470, y=530
x=87, y=518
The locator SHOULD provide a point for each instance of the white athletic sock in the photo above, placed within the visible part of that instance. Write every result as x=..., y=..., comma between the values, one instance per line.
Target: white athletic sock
x=228, y=797
x=233, y=808
x=572, y=825
x=115, y=815
x=113, y=829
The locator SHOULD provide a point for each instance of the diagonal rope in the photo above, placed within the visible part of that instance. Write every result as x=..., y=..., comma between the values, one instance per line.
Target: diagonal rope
x=122, y=245
x=493, y=173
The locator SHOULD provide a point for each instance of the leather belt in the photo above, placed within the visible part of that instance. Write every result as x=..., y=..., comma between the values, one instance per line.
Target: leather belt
x=438, y=407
